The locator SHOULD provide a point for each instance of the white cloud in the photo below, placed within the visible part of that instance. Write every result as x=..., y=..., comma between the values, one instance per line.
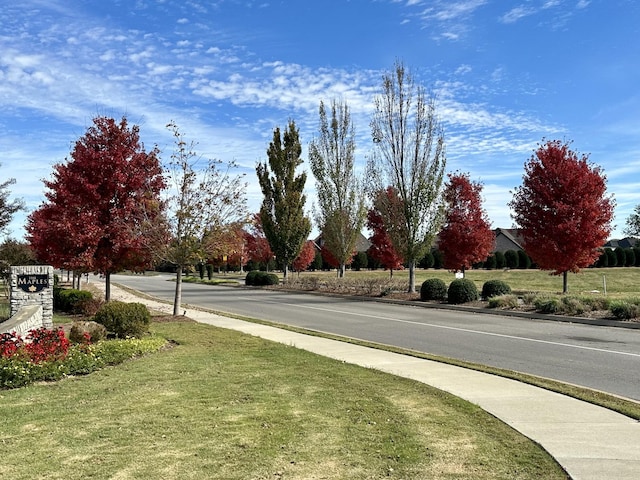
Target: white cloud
x=516, y=14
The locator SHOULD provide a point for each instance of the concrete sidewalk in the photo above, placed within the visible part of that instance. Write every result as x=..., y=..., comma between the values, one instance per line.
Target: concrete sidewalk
x=590, y=442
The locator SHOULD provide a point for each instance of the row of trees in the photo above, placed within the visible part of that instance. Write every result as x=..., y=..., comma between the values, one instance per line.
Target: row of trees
x=107, y=208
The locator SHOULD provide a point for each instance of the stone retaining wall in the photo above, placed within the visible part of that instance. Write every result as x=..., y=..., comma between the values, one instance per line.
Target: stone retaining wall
x=25, y=319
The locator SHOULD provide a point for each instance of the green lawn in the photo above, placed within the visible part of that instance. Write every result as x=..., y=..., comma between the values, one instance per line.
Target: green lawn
x=623, y=281
x=222, y=405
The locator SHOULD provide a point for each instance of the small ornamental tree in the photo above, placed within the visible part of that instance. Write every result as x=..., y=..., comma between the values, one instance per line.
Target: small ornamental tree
x=305, y=257
x=382, y=249
x=466, y=237
x=98, y=203
x=256, y=244
x=562, y=209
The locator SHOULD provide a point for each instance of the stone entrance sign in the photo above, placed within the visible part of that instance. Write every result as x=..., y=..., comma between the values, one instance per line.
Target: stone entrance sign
x=33, y=285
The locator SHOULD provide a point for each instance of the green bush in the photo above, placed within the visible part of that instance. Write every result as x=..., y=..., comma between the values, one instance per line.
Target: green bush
x=462, y=290
x=547, y=305
x=433, y=289
x=251, y=276
x=257, y=278
x=124, y=319
x=495, y=288
x=625, y=310
x=70, y=300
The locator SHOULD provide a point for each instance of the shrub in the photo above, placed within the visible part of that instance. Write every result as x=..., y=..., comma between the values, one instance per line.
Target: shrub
x=597, y=303
x=504, y=301
x=87, y=332
x=124, y=319
x=250, y=278
x=257, y=278
x=511, y=258
x=625, y=310
x=433, y=289
x=462, y=290
x=572, y=306
x=547, y=305
x=494, y=288
x=70, y=300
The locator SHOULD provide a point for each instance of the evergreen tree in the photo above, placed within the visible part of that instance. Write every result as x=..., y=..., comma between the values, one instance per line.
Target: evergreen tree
x=282, y=212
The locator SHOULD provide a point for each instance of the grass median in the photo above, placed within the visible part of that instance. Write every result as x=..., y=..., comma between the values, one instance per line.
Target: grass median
x=222, y=405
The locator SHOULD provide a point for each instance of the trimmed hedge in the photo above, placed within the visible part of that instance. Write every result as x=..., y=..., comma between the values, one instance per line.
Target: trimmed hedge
x=70, y=300
x=433, y=289
x=495, y=288
x=257, y=278
x=124, y=319
x=462, y=290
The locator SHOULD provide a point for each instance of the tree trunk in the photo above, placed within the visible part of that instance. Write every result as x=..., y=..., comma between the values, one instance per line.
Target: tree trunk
x=285, y=271
x=412, y=276
x=177, y=298
x=341, y=270
x=107, y=286
x=565, y=286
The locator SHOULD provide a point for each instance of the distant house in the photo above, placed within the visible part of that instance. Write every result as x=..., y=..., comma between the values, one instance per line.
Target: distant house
x=362, y=243
x=507, y=239
x=628, y=242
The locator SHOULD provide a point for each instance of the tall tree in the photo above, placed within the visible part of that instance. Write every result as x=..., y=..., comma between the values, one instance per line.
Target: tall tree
x=466, y=237
x=410, y=157
x=340, y=192
x=633, y=223
x=205, y=197
x=282, y=212
x=97, y=202
x=8, y=207
x=562, y=209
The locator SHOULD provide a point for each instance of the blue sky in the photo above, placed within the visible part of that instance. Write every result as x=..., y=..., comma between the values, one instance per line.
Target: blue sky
x=506, y=75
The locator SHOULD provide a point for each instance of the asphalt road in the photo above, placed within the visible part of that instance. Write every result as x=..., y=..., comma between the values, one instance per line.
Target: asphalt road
x=603, y=358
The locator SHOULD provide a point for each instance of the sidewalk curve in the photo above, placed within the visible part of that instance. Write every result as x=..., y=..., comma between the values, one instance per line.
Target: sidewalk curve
x=590, y=442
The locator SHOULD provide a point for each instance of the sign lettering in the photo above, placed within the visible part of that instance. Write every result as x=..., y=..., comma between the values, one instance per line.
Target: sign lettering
x=33, y=283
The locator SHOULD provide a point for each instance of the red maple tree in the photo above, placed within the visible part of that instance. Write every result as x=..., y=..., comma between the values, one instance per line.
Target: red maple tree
x=257, y=245
x=305, y=257
x=466, y=237
x=562, y=209
x=382, y=248
x=99, y=202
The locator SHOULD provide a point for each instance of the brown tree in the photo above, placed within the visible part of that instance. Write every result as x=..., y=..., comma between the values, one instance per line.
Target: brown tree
x=466, y=237
x=562, y=209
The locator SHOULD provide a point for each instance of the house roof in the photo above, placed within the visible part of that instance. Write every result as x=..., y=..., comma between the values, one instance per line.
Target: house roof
x=627, y=242
x=507, y=239
x=362, y=242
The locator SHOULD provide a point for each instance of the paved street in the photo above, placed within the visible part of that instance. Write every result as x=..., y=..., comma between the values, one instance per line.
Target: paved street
x=603, y=358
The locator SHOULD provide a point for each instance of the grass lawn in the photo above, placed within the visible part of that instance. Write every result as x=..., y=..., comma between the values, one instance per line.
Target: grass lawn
x=222, y=405
x=620, y=282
